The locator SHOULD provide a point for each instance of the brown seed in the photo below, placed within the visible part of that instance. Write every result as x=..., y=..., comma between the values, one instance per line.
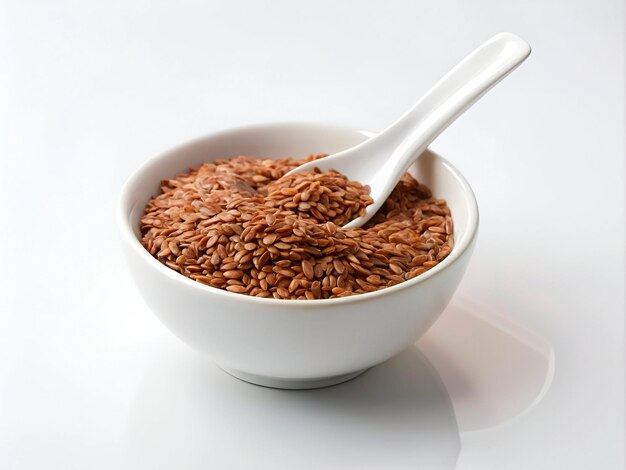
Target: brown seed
x=307, y=269
x=293, y=285
x=233, y=274
x=263, y=259
x=316, y=288
x=237, y=289
x=318, y=270
x=353, y=258
x=395, y=268
x=339, y=266
x=286, y=272
x=251, y=234
x=270, y=239
x=245, y=259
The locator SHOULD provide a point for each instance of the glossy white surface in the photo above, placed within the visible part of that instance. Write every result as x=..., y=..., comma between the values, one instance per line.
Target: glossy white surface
x=286, y=344
x=381, y=161
x=90, y=379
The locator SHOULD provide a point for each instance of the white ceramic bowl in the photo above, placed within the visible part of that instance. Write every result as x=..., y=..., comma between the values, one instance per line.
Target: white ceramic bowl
x=294, y=343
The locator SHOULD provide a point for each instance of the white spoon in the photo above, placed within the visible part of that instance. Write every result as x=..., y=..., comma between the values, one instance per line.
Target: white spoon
x=381, y=161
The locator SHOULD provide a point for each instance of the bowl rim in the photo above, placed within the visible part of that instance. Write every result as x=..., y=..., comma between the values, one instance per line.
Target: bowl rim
x=124, y=207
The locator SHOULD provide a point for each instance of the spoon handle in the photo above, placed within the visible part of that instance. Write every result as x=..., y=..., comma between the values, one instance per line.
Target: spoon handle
x=381, y=161
x=448, y=99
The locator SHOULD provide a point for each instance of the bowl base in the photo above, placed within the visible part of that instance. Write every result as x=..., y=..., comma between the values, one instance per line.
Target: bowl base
x=292, y=384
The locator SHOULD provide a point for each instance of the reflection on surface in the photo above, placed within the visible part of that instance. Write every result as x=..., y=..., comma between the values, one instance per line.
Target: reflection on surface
x=189, y=414
x=485, y=371
x=493, y=369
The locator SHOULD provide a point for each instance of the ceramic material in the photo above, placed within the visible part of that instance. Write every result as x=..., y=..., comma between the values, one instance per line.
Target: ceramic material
x=381, y=161
x=290, y=343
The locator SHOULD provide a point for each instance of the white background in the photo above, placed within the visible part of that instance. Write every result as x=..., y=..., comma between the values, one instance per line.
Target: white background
x=90, y=379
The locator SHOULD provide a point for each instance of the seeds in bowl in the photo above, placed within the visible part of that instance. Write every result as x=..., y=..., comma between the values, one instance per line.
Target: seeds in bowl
x=241, y=225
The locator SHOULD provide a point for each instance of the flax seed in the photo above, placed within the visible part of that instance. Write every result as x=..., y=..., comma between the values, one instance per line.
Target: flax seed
x=241, y=225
